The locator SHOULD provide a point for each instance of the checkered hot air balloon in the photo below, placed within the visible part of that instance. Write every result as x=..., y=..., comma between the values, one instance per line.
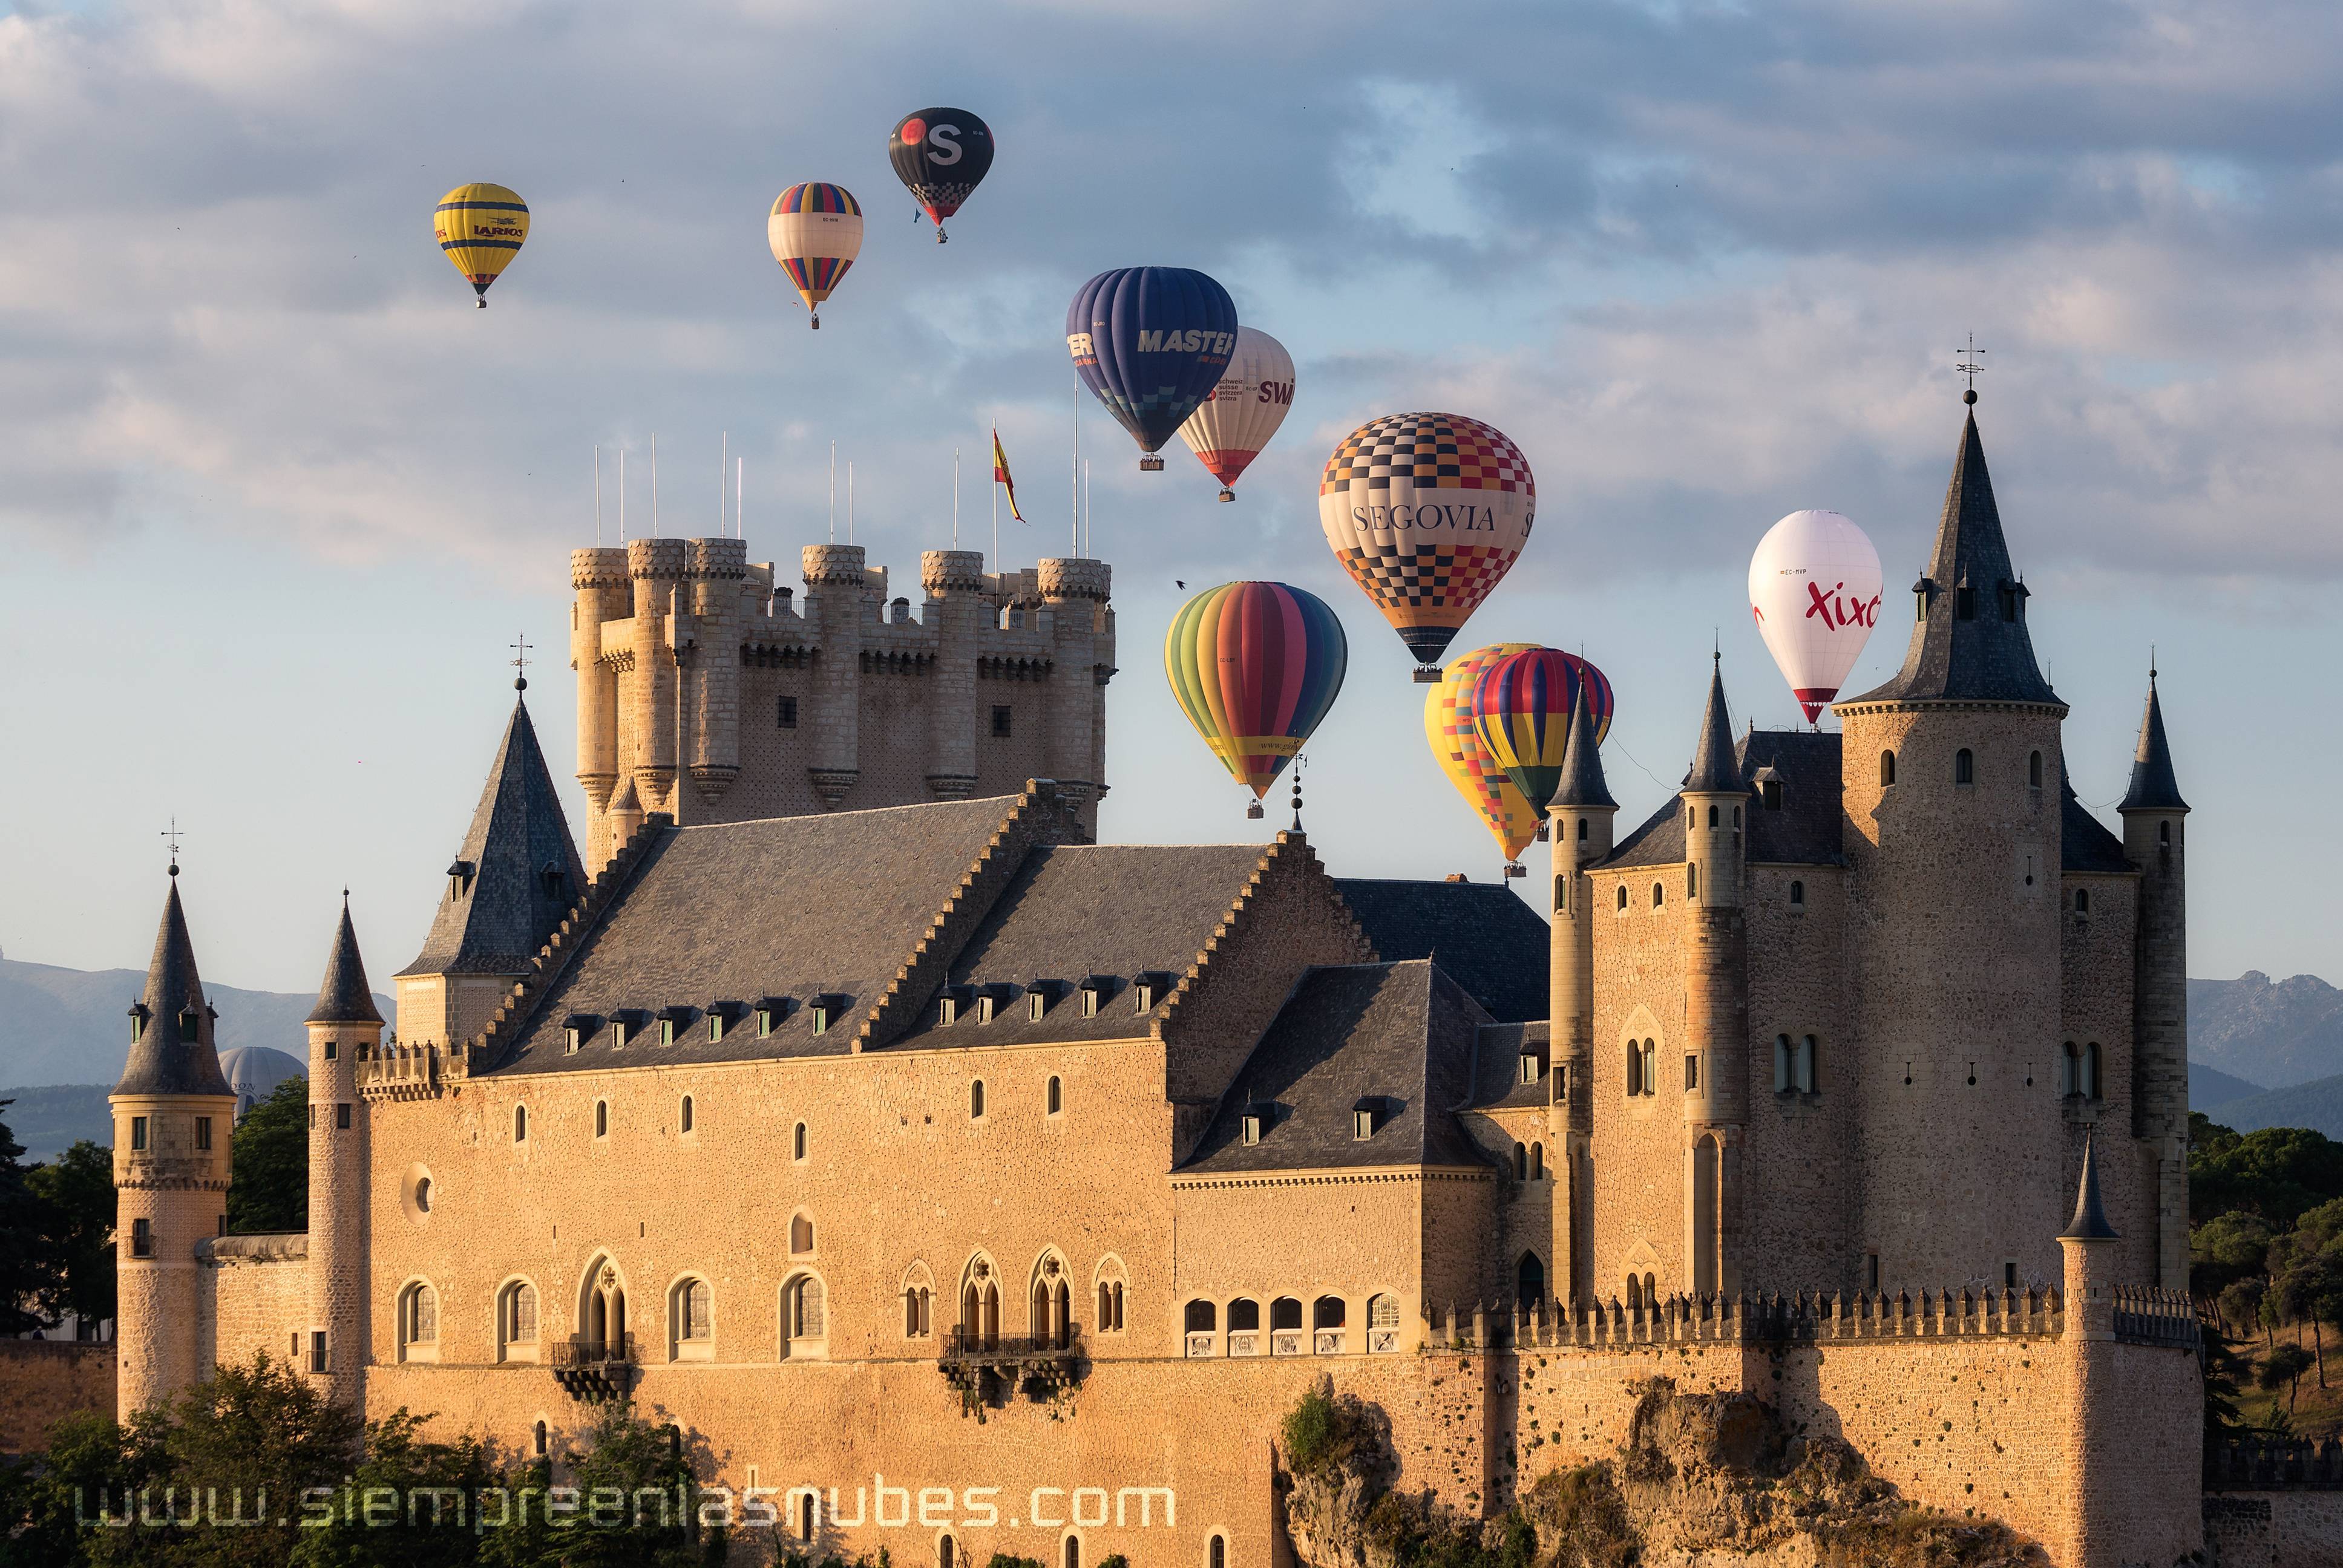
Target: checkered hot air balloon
x=1521, y=705
x=1427, y=512
x=1456, y=746
x=940, y=155
x=1255, y=666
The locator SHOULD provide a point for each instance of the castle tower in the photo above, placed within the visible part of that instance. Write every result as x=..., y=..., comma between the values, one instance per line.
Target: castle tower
x=342, y=1024
x=1716, y=1000
x=2094, y=1415
x=1951, y=792
x=709, y=672
x=600, y=592
x=2155, y=820
x=1076, y=592
x=511, y=883
x=834, y=580
x=1581, y=817
x=172, y=1111
x=953, y=581
x=656, y=569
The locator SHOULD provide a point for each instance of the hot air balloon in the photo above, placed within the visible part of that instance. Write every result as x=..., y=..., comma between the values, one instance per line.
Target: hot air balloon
x=1521, y=708
x=1427, y=512
x=816, y=232
x=940, y=155
x=1456, y=746
x=1239, y=415
x=1255, y=666
x=480, y=229
x=1814, y=586
x=1151, y=342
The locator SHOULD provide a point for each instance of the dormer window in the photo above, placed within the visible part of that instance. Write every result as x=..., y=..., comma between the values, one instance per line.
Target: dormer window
x=2009, y=602
x=460, y=878
x=985, y=1005
x=576, y=1030
x=554, y=877
x=720, y=1018
x=1093, y=993
x=1964, y=602
x=1769, y=792
x=1039, y=995
x=947, y=1011
x=1533, y=1067
x=667, y=1029
x=191, y=1023
x=770, y=1010
x=626, y=1026
x=1151, y=986
x=1257, y=1119
x=139, y=1014
x=1365, y=1117
x=1923, y=592
x=825, y=1011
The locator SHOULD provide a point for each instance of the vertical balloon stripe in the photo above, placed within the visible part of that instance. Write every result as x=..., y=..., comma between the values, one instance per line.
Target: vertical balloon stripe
x=1255, y=666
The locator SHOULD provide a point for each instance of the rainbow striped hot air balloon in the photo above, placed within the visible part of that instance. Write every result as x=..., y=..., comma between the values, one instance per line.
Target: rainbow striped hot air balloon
x=1521, y=705
x=816, y=232
x=1456, y=746
x=1255, y=666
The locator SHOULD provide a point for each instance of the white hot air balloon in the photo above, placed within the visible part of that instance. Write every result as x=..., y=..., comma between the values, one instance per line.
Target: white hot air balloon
x=1231, y=427
x=1814, y=587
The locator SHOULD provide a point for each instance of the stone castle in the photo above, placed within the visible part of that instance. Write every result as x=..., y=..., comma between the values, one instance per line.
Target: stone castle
x=1040, y=1176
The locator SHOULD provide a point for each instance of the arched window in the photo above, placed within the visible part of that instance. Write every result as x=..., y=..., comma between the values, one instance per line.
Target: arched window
x=1529, y=1279
x=1692, y=879
x=2087, y=1080
x=1200, y=1316
x=1582, y=838
x=1560, y=895
x=1285, y=1313
x=1651, y=1067
x=1383, y=1324
x=1964, y=765
x=1327, y=1312
x=690, y=1321
x=1809, y=1073
x=683, y=1114
x=1711, y=815
x=419, y=1323
x=1635, y=1294
x=1784, y=1070
x=601, y=1118
x=2163, y=832
x=602, y=1309
x=520, y=1124
x=1057, y=1096
x=1074, y=1550
x=1110, y=1282
x=544, y=1440
x=803, y=1317
x=1521, y=1162
x=2034, y=769
x=1538, y=1162
x=1650, y=1291
x=1798, y=895
x=1692, y=815
x=1244, y=1316
x=1634, y=1069
x=1886, y=767
x=944, y=1554
x=1659, y=895
x=1217, y=1554
x=515, y=1321
x=798, y=1142
x=915, y=1312
x=1622, y=898
x=976, y=1100
x=2082, y=900
x=800, y=1234
x=806, y=1505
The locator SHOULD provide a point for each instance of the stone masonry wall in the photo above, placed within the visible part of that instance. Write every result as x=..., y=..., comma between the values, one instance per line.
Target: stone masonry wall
x=255, y=1299
x=41, y=1380
x=1639, y=1141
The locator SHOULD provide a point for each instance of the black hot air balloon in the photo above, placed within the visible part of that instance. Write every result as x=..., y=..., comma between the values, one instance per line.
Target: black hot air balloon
x=941, y=155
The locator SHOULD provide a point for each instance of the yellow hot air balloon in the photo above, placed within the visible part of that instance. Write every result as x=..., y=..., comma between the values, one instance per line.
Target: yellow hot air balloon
x=1456, y=746
x=480, y=227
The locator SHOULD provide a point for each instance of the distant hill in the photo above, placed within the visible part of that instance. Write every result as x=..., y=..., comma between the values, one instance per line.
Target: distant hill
x=2318, y=1104
x=61, y=1026
x=49, y=1120
x=2209, y=1086
x=2265, y=1030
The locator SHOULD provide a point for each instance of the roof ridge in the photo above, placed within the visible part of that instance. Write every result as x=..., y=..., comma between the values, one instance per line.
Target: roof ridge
x=1193, y=979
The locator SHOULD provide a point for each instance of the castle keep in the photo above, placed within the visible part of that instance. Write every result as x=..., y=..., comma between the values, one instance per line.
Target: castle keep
x=1040, y=1176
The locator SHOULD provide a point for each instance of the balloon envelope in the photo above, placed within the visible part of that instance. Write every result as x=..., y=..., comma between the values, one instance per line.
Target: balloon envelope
x=480, y=229
x=1427, y=512
x=1255, y=666
x=1521, y=708
x=1456, y=746
x=1814, y=587
x=816, y=232
x=940, y=155
x=1239, y=415
x=1151, y=342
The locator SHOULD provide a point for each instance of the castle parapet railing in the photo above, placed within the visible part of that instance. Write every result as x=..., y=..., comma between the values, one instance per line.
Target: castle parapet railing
x=1823, y=1317
x=2273, y=1464
x=975, y=1363
x=394, y=1071
x=2148, y=1315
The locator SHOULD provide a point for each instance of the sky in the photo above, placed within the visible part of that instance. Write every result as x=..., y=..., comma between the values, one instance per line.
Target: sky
x=275, y=499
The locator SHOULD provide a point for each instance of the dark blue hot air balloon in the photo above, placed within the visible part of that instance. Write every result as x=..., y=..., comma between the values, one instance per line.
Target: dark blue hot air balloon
x=1152, y=342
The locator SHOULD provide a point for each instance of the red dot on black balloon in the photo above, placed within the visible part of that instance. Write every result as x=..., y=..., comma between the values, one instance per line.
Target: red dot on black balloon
x=914, y=132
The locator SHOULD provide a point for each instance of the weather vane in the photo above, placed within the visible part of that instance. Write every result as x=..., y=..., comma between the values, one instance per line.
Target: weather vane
x=1967, y=363
x=520, y=646
x=171, y=835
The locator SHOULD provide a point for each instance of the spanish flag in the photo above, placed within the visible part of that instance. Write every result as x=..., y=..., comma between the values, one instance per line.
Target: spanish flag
x=1000, y=474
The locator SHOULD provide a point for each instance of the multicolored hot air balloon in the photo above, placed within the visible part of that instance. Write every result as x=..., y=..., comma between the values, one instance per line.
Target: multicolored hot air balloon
x=1239, y=415
x=1255, y=666
x=1427, y=512
x=816, y=232
x=480, y=229
x=1815, y=588
x=1151, y=342
x=940, y=155
x=1456, y=746
x=1521, y=705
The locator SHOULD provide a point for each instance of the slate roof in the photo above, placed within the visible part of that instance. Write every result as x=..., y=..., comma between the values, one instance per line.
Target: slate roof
x=2153, y=787
x=160, y=1061
x=1805, y=832
x=497, y=920
x=1485, y=938
x=1985, y=659
x=1078, y=911
x=789, y=906
x=1715, y=765
x=2085, y=844
x=1497, y=1067
x=2090, y=1221
x=344, y=997
x=1582, y=782
x=1401, y=1034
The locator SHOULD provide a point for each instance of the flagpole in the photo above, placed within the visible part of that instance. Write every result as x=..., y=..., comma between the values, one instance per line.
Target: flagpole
x=996, y=497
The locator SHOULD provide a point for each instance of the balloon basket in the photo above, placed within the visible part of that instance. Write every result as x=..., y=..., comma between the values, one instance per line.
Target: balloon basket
x=1228, y=495
x=817, y=324
x=1253, y=811
x=1150, y=464
x=1545, y=833
x=1515, y=868
x=1427, y=675
x=941, y=237
x=482, y=303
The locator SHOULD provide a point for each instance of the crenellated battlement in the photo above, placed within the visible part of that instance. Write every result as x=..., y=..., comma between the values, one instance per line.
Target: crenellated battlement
x=694, y=663
x=1831, y=1316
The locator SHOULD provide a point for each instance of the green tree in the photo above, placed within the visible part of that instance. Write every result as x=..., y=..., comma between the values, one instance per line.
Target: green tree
x=2226, y=1249
x=270, y=1172
x=29, y=1272
x=637, y=1506
x=440, y=1485
x=2277, y=1173
x=2283, y=1368
x=77, y=1193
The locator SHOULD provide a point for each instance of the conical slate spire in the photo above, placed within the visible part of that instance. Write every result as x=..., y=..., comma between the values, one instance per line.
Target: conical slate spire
x=164, y=1059
x=2153, y=787
x=1715, y=766
x=1971, y=644
x=345, y=997
x=503, y=898
x=2090, y=1221
x=1582, y=782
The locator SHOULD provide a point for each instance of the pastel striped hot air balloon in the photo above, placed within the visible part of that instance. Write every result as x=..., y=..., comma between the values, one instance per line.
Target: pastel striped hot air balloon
x=1238, y=417
x=1456, y=746
x=1521, y=712
x=1255, y=666
x=816, y=232
x=1427, y=512
x=480, y=229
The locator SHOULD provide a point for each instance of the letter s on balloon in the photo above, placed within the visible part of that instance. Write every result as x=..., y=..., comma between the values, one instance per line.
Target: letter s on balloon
x=942, y=144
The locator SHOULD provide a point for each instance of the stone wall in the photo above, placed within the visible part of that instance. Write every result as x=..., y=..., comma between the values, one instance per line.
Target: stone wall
x=255, y=1299
x=44, y=1380
x=2282, y=1529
